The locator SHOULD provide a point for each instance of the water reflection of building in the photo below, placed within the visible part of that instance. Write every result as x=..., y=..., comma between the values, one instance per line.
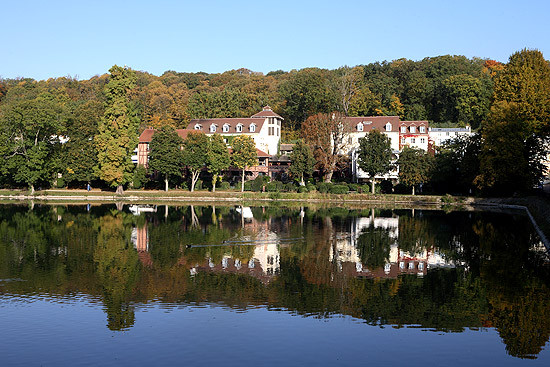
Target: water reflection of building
x=140, y=239
x=347, y=256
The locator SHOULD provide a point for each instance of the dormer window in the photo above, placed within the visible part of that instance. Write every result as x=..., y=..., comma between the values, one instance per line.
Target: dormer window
x=360, y=126
x=239, y=128
x=225, y=128
x=212, y=128
x=252, y=128
x=198, y=127
x=388, y=127
x=422, y=129
x=413, y=129
x=403, y=129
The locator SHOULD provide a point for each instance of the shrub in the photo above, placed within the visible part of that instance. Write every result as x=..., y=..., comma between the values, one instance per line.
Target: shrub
x=339, y=189
x=354, y=187
x=198, y=185
x=302, y=189
x=60, y=183
x=323, y=187
x=401, y=189
x=248, y=186
x=274, y=186
x=139, y=178
x=310, y=187
x=224, y=185
x=289, y=187
x=259, y=182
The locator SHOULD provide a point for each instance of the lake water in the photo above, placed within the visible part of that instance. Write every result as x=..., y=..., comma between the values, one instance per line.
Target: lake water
x=96, y=285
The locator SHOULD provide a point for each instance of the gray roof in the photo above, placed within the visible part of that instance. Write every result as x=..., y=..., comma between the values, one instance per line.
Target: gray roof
x=449, y=129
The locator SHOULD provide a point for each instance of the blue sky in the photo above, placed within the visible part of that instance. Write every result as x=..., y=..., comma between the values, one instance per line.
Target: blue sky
x=43, y=39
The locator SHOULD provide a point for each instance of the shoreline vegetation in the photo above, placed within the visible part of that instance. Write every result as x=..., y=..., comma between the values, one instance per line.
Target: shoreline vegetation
x=536, y=207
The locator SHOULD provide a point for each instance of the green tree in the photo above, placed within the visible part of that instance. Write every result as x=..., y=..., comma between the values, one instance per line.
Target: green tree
x=218, y=158
x=373, y=245
x=166, y=156
x=511, y=154
x=302, y=161
x=244, y=154
x=117, y=132
x=375, y=155
x=30, y=128
x=525, y=81
x=415, y=166
x=195, y=154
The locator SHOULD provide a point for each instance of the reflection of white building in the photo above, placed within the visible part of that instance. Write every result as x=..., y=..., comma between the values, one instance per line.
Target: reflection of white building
x=442, y=135
x=348, y=259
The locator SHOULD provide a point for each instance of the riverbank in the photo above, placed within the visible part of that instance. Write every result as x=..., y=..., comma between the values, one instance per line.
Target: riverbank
x=537, y=207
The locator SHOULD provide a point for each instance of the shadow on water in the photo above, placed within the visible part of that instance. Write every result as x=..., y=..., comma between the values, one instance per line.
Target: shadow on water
x=446, y=272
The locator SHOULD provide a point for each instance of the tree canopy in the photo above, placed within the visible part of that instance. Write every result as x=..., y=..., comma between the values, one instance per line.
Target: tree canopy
x=375, y=155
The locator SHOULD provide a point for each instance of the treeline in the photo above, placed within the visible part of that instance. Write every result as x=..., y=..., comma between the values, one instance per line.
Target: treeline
x=36, y=116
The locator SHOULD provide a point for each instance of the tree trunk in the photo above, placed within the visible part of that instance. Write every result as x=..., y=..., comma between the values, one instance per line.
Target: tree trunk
x=214, y=180
x=328, y=176
x=194, y=179
x=302, y=183
x=166, y=183
x=242, y=182
x=413, y=189
x=119, y=190
x=373, y=183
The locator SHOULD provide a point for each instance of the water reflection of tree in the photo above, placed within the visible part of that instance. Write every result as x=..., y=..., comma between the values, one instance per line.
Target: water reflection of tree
x=118, y=269
x=373, y=245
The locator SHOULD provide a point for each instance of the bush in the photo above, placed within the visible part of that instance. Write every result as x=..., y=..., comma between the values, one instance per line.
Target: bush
x=248, y=185
x=289, y=187
x=139, y=178
x=310, y=187
x=323, y=187
x=259, y=182
x=224, y=185
x=354, y=187
x=302, y=189
x=339, y=189
x=60, y=183
x=274, y=186
x=198, y=185
x=401, y=189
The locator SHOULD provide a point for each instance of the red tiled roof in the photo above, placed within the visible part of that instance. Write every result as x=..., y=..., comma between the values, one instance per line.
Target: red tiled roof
x=415, y=123
x=267, y=112
x=262, y=154
x=373, y=122
x=147, y=134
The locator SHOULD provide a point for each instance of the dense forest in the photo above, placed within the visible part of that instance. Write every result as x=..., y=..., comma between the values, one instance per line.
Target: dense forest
x=445, y=90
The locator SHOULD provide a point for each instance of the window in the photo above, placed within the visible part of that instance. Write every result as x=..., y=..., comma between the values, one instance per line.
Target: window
x=212, y=128
x=403, y=129
x=413, y=129
x=360, y=126
x=422, y=140
x=401, y=265
x=252, y=128
x=278, y=132
x=198, y=127
x=239, y=128
x=270, y=130
x=350, y=140
x=413, y=140
x=411, y=265
x=422, y=129
x=388, y=127
x=225, y=128
x=402, y=141
x=420, y=266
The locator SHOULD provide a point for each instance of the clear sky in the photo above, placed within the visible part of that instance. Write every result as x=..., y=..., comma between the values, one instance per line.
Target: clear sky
x=43, y=39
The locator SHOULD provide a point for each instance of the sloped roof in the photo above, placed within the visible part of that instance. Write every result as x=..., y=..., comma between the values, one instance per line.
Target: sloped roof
x=232, y=122
x=266, y=112
x=373, y=122
x=147, y=134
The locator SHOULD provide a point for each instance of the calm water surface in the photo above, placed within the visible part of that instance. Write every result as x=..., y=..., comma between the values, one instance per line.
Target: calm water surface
x=83, y=285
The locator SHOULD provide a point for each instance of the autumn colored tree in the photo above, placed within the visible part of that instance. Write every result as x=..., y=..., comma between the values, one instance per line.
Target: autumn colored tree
x=525, y=81
x=302, y=161
x=117, y=132
x=218, y=158
x=327, y=135
x=244, y=155
x=195, y=154
x=415, y=167
x=375, y=155
x=165, y=154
